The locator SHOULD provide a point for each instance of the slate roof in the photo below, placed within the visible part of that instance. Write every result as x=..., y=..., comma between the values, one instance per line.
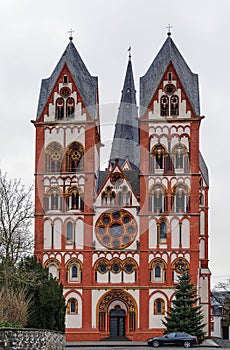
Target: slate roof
x=150, y=81
x=86, y=84
x=203, y=169
x=126, y=136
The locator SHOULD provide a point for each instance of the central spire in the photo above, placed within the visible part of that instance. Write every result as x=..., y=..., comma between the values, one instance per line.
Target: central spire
x=126, y=135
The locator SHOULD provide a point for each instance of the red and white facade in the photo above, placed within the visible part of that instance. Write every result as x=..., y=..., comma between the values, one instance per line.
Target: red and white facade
x=118, y=238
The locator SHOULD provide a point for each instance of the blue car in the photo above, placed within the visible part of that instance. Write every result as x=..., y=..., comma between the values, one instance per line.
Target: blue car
x=176, y=338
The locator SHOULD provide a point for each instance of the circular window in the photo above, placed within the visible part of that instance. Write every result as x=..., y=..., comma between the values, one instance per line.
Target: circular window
x=116, y=267
x=169, y=89
x=116, y=229
x=65, y=91
x=102, y=267
x=129, y=267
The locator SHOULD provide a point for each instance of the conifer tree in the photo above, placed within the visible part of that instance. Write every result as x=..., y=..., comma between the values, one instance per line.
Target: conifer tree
x=185, y=314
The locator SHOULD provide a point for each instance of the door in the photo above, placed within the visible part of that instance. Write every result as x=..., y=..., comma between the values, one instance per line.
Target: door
x=117, y=322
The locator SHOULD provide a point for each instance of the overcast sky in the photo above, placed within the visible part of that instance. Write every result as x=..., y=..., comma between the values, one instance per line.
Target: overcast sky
x=34, y=34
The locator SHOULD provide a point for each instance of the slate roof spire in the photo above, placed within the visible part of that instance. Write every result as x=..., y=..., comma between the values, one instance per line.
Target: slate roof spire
x=126, y=135
x=85, y=82
x=151, y=80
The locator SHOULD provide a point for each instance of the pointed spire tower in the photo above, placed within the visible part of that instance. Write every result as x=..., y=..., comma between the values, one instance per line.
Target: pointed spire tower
x=126, y=136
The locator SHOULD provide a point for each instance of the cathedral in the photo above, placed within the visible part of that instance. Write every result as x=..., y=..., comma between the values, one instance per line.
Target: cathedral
x=118, y=238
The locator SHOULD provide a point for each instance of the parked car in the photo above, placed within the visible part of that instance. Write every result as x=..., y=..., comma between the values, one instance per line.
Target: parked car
x=177, y=338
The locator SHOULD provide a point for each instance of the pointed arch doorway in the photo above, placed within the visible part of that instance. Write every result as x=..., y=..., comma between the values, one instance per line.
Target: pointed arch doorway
x=117, y=314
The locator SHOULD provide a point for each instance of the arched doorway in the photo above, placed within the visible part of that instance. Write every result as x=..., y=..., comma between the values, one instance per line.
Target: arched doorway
x=117, y=314
x=117, y=322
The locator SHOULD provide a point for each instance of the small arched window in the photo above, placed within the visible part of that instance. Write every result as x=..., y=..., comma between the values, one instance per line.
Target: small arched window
x=164, y=106
x=124, y=196
x=180, y=156
x=174, y=106
x=181, y=198
x=69, y=232
x=108, y=196
x=159, y=306
x=59, y=108
x=74, y=272
x=72, y=306
x=158, y=271
x=163, y=232
x=157, y=200
x=70, y=106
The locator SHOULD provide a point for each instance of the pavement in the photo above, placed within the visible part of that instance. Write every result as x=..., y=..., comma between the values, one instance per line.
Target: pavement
x=208, y=343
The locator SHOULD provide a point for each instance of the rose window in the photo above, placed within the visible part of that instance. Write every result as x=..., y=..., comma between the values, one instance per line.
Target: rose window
x=116, y=229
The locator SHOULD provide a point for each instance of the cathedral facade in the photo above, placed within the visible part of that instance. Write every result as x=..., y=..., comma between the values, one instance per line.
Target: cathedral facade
x=118, y=238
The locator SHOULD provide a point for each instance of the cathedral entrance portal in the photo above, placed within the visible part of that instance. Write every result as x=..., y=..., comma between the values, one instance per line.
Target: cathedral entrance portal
x=117, y=322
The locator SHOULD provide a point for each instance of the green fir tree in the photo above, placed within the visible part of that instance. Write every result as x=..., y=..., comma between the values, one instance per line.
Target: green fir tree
x=185, y=315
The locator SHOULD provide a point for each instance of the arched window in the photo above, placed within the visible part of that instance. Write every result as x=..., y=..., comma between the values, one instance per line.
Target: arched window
x=53, y=268
x=181, y=199
x=124, y=196
x=53, y=157
x=157, y=200
x=55, y=200
x=69, y=232
x=159, y=306
x=180, y=156
x=74, y=157
x=179, y=266
x=163, y=232
x=72, y=306
x=59, y=108
x=164, y=106
x=70, y=104
x=158, y=271
x=108, y=196
x=174, y=106
x=74, y=272
x=201, y=200
x=157, y=158
x=74, y=201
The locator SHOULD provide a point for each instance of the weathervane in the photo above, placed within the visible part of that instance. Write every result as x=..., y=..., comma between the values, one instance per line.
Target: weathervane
x=71, y=31
x=169, y=29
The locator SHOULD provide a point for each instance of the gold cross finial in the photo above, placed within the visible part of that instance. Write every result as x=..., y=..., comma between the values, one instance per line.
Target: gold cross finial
x=71, y=31
x=169, y=29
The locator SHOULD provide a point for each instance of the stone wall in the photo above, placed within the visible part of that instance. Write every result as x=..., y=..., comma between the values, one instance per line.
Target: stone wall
x=31, y=339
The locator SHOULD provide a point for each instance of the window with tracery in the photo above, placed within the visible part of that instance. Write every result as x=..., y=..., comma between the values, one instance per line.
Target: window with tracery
x=174, y=106
x=53, y=157
x=60, y=108
x=164, y=106
x=157, y=200
x=70, y=106
x=179, y=266
x=162, y=232
x=74, y=157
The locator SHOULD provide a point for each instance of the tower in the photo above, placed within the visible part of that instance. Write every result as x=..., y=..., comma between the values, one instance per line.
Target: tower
x=118, y=238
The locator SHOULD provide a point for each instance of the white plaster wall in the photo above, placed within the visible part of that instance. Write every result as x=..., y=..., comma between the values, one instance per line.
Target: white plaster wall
x=129, y=278
x=175, y=233
x=47, y=234
x=152, y=233
x=202, y=249
x=204, y=289
x=57, y=234
x=79, y=234
x=74, y=321
x=56, y=134
x=185, y=231
x=115, y=277
x=102, y=277
x=155, y=320
x=217, y=327
x=202, y=221
x=75, y=134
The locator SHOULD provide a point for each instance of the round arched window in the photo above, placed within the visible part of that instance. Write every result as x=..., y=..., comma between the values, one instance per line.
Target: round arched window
x=116, y=229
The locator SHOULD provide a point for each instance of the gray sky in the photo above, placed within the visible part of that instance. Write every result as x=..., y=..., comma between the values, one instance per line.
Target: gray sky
x=34, y=34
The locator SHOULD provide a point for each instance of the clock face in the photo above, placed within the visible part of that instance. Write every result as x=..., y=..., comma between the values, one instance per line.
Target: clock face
x=116, y=179
x=116, y=229
x=65, y=91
